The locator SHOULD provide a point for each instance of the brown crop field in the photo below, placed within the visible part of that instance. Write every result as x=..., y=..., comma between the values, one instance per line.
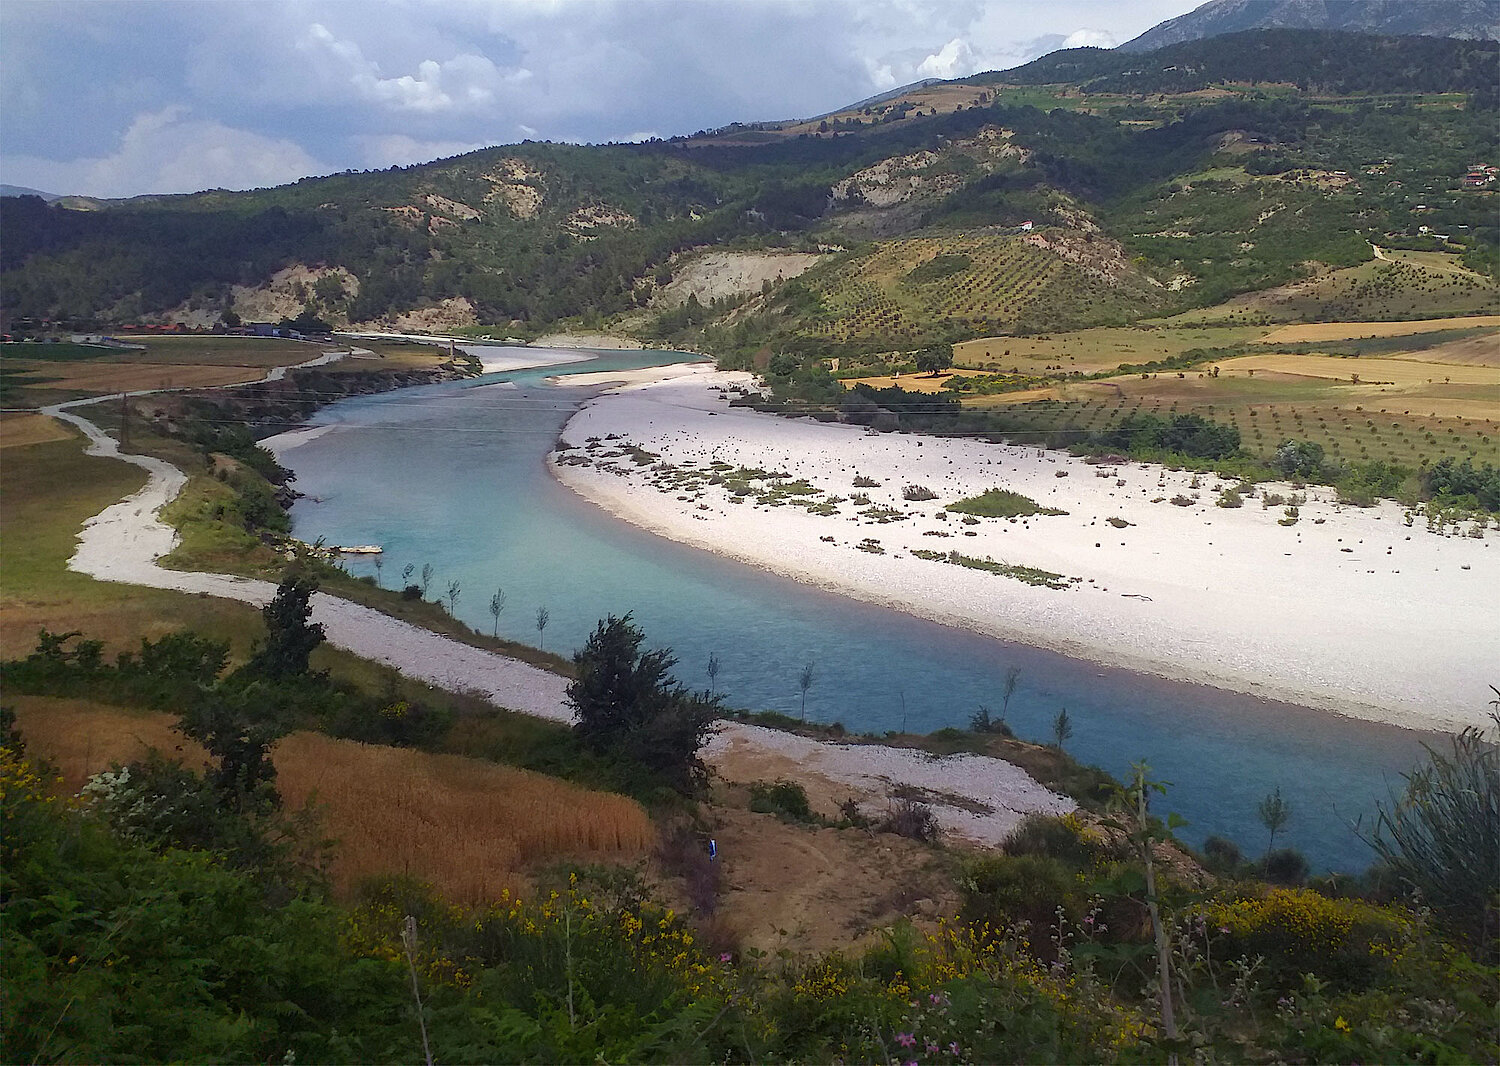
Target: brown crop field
x=469, y=827
x=18, y=430
x=102, y=378
x=1090, y=351
x=1403, y=374
x=1336, y=331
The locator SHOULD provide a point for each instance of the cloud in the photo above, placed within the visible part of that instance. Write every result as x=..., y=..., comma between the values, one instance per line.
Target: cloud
x=954, y=60
x=168, y=151
x=379, y=151
x=466, y=82
x=1086, y=38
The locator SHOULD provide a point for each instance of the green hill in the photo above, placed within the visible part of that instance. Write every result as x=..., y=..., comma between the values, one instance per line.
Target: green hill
x=1153, y=183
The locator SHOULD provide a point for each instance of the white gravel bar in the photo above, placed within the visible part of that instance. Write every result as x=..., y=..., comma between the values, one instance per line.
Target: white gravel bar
x=1353, y=610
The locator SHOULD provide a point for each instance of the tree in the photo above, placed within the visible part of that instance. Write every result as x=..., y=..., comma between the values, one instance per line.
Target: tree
x=290, y=636
x=497, y=604
x=1062, y=728
x=1274, y=813
x=629, y=704
x=713, y=670
x=406, y=573
x=935, y=360
x=379, y=572
x=1012, y=677
x=426, y=578
x=804, y=682
x=543, y=616
x=454, y=591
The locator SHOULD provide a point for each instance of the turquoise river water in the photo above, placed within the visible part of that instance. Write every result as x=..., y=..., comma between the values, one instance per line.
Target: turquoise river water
x=454, y=476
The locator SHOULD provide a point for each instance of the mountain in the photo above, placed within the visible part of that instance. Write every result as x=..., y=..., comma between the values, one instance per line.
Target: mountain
x=21, y=190
x=1474, y=19
x=1321, y=61
x=1089, y=187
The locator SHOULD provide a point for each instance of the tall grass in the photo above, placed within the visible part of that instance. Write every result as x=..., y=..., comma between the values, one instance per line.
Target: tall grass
x=468, y=827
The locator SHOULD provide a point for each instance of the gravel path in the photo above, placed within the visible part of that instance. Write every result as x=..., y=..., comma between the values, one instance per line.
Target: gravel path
x=124, y=541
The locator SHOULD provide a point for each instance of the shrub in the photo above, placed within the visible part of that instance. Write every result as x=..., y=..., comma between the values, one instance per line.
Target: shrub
x=785, y=799
x=1001, y=503
x=411, y=592
x=862, y=482
x=1221, y=855
x=1442, y=835
x=1230, y=498
x=917, y=493
x=1044, y=834
x=1286, y=866
x=1298, y=932
x=909, y=818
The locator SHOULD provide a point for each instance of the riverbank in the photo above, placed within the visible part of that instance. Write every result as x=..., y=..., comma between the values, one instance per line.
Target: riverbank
x=1345, y=609
x=975, y=799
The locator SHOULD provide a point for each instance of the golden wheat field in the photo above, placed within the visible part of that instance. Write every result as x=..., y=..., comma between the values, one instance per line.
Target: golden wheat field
x=468, y=827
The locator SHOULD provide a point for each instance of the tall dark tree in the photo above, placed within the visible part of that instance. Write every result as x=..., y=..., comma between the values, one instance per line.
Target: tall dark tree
x=291, y=636
x=629, y=704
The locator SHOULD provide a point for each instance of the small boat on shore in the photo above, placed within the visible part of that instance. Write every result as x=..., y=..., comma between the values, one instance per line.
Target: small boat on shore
x=358, y=549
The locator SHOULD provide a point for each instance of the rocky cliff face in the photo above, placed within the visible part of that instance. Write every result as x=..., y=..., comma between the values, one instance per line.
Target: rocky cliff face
x=1473, y=19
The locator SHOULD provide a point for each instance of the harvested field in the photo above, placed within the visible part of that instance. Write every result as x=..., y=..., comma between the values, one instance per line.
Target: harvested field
x=1401, y=373
x=101, y=378
x=1089, y=351
x=220, y=351
x=18, y=430
x=1335, y=331
x=468, y=826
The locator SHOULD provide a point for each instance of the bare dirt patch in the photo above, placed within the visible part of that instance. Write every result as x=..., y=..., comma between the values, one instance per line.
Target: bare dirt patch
x=810, y=889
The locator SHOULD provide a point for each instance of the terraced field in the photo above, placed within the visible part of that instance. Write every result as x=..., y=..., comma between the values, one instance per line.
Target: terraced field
x=911, y=290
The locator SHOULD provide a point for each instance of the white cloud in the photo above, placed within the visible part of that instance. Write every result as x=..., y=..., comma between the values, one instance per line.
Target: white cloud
x=466, y=82
x=1087, y=38
x=398, y=150
x=167, y=151
x=954, y=60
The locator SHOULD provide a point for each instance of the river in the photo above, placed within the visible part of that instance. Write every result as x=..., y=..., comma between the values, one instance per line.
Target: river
x=454, y=476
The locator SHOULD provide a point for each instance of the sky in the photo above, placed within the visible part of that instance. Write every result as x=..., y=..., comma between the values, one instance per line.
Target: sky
x=116, y=98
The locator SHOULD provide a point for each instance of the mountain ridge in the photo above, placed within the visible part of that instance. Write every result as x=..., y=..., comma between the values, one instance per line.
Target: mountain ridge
x=1469, y=19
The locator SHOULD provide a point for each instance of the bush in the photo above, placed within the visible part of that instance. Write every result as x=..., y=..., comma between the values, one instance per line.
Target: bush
x=785, y=799
x=1442, y=835
x=411, y=592
x=917, y=493
x=1286, y=866
x=1298, y=932
x=908, y=818
x=1061, y=838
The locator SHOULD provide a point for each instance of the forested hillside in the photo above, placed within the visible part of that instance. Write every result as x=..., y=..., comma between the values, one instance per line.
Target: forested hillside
x=1143, y=194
